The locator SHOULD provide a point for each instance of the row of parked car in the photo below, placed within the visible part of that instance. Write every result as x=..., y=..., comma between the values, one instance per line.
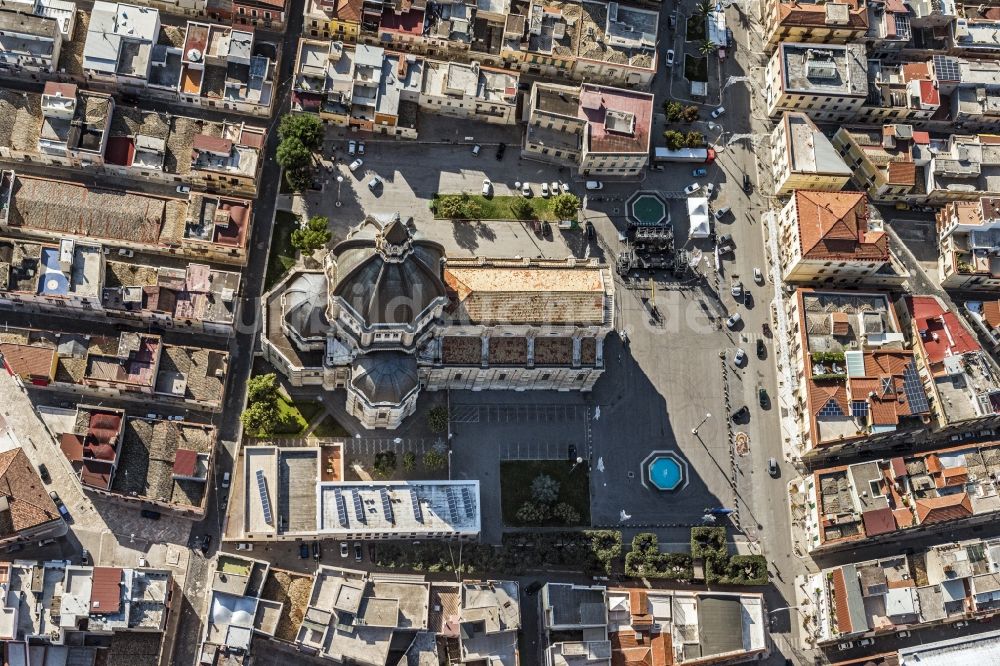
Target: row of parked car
x=317, y=550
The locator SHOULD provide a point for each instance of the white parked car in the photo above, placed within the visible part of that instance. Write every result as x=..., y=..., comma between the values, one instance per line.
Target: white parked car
x=670, y=57
x=692, y=188
x=361, y=147
x=374, y=183
x=475, y=149
x=733, y=320
x=545, y=190
x=526, y=189
x=564, y=187
x=710, y=188
x=718, y=112
x=554, y=187
x=487, y=187
x=595, y=185
x=740, y=358
x=183, y=189
x=356, y=164
x=352, y=148
x=758, y=277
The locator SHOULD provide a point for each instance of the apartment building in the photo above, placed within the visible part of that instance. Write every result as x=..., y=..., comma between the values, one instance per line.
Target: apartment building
x=236, y=612
x=600, y=131
x=931, y=587
x=307, y=491
x=601, y=626
x=200, y=226
x=888, y=500
x=370, y=618
x=974, y=89
x=963, y=168
x=27, y=513
x=888, y=163
x=57, y=611
x=127, y=366
x=119, y=43
x=889, y=26
x=802, y=158
x=858, y=381
x=597, y=42
x=969, y=242
x=828, y=83
x=337, y=20
x=480, y=323
x=974, y=34
x=901, y=92
x=142, y=462
x=81, y=277
x=815, y=23
x=835, y=238
x=962, y=380
x=470, y=91
x=75, y=128
x=32, y=35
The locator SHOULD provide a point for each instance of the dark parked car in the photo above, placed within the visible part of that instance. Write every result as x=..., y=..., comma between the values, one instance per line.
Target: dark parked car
x=571, y=452
x=533, y=588
x=765, y=402
x=546, y=231
x=500, y=151
x=152, y=515
x=747, y=187
x=590, y=230
x=206, y=542
x=317, y=550
x=43, y=472
x=772, y=467
x=357, y=553
x=761, y=349
x=63, y=511
x=304, y=551
x=741, y=413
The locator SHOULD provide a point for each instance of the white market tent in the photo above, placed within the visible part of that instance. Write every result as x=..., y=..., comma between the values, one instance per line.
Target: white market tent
x=698, y=214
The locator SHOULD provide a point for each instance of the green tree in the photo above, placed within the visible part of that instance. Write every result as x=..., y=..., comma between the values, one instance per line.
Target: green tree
x=435, y=460
x=471, y=209
x=565, y=206
x=305, y=127
x=690, y=114
x=314, y=235
x=565, y=513
x=532, y=512
x=704, y=7
x=673, y=139
x=707, y=47
x=262, y=388
x=299, y=179
x=451, y=207
x=673, y=110
x=437, y=418
x=292, y=154
x=260, y=418
x=544, y=489
x=409, y=461
x=385, y=464
x=694, y=139
x=522, y=209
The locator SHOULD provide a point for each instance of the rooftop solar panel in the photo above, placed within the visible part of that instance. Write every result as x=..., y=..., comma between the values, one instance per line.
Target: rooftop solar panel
x=914, y=389
x=386, y=505
x=265, y=500
x=418, y=512
x=359, y=508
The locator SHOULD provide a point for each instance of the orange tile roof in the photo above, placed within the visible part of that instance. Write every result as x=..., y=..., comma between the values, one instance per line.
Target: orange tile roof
x=841, y=611
x=29, y=360
x=106, y=593
x=878, y=521
x=30, y=504
x=904, y=518
x=834, y=225
x=841, y=323
x=902, y=173
x=820, y=395
x=991, y=313
x=807, y=15
x=943, y=509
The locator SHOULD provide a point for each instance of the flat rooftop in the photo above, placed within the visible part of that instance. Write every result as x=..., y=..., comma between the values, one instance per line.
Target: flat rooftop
x=810, y=150
x=827, y=69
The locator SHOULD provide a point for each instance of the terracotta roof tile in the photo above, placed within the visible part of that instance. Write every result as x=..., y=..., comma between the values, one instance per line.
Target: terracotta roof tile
x=841, y=610
x=106, y=592
x=814, y=16
x=904, y=518
x=28, y=360
x=821, y=394
x=991, y=313
x=943, y=509
x=902, y=173
x=185, y=462
x=878, y=521
x=834, y=225
x=30, y=504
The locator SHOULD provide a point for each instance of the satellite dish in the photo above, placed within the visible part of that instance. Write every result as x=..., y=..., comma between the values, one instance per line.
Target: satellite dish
x=194, y=55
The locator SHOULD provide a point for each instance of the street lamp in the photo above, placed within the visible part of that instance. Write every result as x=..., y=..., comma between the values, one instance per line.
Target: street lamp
x=694, y=430
x=340, y=179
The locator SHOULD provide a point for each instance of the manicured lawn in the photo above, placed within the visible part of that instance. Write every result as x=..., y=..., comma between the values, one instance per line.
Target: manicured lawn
x=515, y=488
x=282, y=256
x=292, y=419
x=696, y=28
x=498, y=207
x=695, y=69
x=329, y=427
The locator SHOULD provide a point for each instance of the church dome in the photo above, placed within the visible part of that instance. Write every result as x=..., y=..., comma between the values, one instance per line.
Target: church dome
x=385, y=377
x=385, y=273
x=304, y=305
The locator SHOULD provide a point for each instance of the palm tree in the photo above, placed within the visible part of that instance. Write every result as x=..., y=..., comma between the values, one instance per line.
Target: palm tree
x=704, y=7
x=707, y=47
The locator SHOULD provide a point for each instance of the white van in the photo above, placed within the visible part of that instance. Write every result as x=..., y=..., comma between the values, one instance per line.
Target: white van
x=595, y=185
